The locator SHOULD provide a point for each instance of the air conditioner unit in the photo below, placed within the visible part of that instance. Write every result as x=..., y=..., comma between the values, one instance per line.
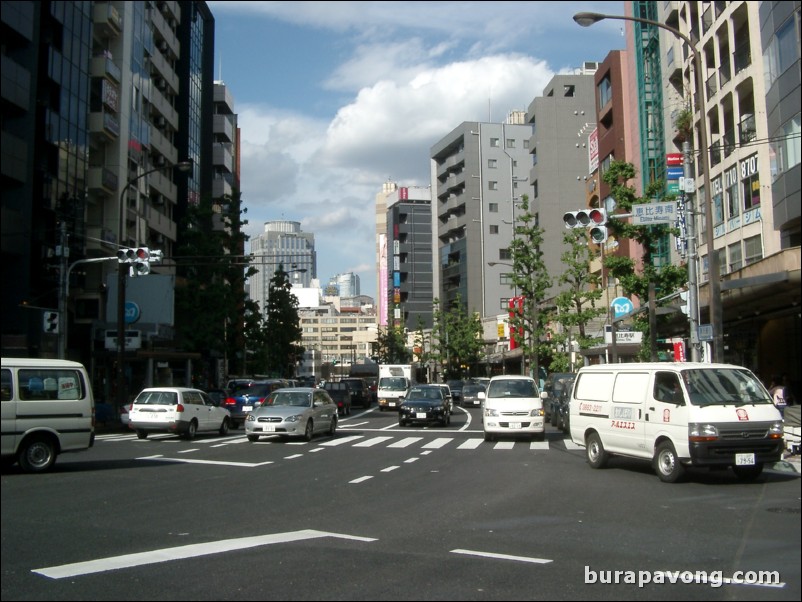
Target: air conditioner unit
x=161, y=84
x=160, y=162
x=158, y=199
x=161, y=122
x=162, y=46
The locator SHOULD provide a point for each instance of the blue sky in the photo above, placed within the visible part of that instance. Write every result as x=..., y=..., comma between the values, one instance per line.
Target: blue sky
x=335, y=98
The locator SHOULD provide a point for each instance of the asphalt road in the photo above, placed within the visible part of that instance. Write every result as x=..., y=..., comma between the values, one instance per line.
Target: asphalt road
x=381, y=512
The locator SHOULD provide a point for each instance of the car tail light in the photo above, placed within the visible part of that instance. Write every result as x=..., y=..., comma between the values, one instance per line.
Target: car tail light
x=123, y=410
x=230, y=401
x=179, y=407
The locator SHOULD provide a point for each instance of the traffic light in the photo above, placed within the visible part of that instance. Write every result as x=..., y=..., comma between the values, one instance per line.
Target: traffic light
x=598, y=226
x=576, y=219
x=139, y=260
x=51, y=322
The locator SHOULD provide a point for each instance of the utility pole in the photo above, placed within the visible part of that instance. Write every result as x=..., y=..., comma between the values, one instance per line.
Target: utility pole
x=690, y=231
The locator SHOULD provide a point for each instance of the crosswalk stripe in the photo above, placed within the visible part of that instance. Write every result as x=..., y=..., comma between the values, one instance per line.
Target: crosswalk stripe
x=372, y=442
x=406, y=442
x=471, y=443
x=438, y=443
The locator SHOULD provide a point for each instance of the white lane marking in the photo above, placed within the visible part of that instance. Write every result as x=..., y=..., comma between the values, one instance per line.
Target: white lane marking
x=342, y=441
x=361, y=479
x=504, y=445
x=468, y=418
x=181, y=552
x=438, y=443
x=411, y=460
x=349, y=425
x=390, y=468
x=571, y=445
x=406, y=442
x=471, y=444
x=543, y=445
x=502, y=556
x=187, y=451
x=215, y=462
x=292, y=457
x=372, y=442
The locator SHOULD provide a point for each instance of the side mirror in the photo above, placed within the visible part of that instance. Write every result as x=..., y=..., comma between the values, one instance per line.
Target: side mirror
x=481, y=395
x=544, y=395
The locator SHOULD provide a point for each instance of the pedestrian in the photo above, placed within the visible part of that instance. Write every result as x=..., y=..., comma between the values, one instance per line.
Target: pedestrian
x=778, y=394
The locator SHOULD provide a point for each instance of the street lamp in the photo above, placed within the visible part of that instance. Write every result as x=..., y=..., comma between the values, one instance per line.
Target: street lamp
x=122, y=269
x=714, y=298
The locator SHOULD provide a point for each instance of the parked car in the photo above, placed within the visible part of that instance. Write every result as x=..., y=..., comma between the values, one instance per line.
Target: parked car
x=361, y=394
x=177, y=410
x=340, y=392
x=245, y=398
x=424, y=403
x=125, y=411
x=293, y=412
x=512, y=407
x=561, y=407
x=218, y=395
x=552, y=388
x=470, y=395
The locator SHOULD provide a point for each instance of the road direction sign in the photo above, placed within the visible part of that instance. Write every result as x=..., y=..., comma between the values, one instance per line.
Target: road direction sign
x=654, y=213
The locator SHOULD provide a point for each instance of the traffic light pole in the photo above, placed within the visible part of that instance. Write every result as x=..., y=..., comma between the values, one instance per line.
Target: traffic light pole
x=121, y=393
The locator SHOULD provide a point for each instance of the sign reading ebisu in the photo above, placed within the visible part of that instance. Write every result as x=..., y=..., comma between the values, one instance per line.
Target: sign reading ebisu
x=621, y=307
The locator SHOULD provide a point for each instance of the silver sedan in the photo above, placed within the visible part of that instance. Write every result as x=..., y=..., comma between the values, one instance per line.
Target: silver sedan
x=293, y=412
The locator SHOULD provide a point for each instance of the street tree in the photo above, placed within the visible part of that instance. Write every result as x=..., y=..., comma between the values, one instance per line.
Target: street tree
x=578, y=303
x=282, y=327
x=458, y=344
x=636, y=279
x=531, y=278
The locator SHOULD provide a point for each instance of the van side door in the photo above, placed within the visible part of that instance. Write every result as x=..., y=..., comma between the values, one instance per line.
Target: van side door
x=9, y=413
x=627, y=414
x=667, y=412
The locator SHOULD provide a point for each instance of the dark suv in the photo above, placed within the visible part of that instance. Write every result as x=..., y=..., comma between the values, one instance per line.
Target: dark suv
x=340, y=393
x=552, y=388
x=361, y=394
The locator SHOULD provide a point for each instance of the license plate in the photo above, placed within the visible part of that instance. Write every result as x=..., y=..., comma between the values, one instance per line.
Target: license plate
x=391, y=404
x=515, y=425
x=269, y=428
x=420, y=414
x=247, y=408
x=744, y=459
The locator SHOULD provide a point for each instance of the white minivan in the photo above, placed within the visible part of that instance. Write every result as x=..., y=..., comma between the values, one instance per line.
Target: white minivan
x=511, y=406
x=47, y=409
x=676, y=415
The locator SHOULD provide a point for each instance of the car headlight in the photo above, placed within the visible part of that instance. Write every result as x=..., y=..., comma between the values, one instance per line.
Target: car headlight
x=250, y=418
x=538, y=412
x=295, y=418
x=776, y=430
x=702, y=432
x=491, y=412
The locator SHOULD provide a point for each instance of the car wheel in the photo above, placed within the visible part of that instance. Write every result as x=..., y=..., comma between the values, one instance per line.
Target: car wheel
x=140, y=434
x=333, y=426
x=748, y=473
x=667, y=464
x=309, y=431
x=192, y=430
x=37, y=454
x=224, y=427
x=253, y=438
x=597, y=457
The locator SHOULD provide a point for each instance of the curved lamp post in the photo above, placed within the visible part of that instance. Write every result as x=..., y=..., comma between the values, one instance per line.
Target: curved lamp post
x=182, y=166
x=586, y=19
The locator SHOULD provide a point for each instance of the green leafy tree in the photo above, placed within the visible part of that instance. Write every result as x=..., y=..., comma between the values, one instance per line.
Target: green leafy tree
x=578, y=302
x=635, y=280
x=457, y=342
x=282, y=326
x=531, y=278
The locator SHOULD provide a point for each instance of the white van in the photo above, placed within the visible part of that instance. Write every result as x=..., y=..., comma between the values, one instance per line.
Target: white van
x=511, y=406
x=676, y=415
x=47, y=409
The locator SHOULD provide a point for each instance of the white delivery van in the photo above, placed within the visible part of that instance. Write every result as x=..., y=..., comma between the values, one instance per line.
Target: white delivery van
x=511, y=406
x=47, y=409
x=676, y=415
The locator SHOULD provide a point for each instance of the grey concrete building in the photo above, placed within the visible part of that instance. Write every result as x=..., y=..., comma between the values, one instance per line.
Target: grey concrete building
x=479, y=172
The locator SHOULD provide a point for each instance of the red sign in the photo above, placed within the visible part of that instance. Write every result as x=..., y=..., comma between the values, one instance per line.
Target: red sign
x=679, y=351
x=674, y=159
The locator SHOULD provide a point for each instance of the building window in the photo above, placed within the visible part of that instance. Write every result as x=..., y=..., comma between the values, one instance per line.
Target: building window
x=504, y=254
x=753, y=250
x=505, y=304
x=493, y=229
x=605, y=91
x=534, y=189
x=750, y=183
x=492, y=207
x=718, y=207
x=506, y=279
x=494, y=142
x=731, y=192
x=785, y=151
x=510, y=142
x=492, y=185
x=735, y=257
x=526, y=144
x=492, y=163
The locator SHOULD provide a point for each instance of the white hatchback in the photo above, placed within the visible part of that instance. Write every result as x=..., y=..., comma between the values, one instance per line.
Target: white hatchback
x=176, y=410
x=511, y=406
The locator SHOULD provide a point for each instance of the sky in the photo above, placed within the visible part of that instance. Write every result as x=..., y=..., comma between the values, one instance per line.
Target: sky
x=336, y=98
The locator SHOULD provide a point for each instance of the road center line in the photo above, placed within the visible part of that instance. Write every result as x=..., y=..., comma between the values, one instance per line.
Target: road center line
x=181, y=552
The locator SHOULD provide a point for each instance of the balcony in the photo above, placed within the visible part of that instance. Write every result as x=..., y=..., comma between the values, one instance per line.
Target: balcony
x=105, y=124
x=742, y=57
x=711, y=87
x=747, y=130
x=728, y=142
x=103, y=180
x=103, y=66
x=106, y=20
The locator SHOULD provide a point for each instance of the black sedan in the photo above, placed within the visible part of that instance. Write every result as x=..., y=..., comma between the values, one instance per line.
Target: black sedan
x=424, y=403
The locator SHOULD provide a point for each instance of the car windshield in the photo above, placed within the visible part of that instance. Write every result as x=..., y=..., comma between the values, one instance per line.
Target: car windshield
x=723, y=386
x=425, y=394
x=161, y=398
x=511, y=388
x=393, y=383
x=290, y=398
